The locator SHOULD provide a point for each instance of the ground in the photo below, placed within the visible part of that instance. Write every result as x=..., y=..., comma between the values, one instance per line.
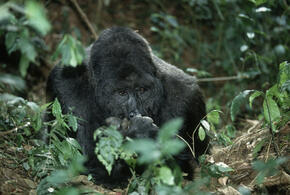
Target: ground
x=14, y=179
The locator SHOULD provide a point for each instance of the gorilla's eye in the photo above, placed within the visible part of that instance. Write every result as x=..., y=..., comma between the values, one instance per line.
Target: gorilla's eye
x=122, y=92
x=142, y=89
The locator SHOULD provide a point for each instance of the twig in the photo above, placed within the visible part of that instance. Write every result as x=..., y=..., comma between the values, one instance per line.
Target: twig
x=268, y=149
x=15, y=129
x=192, y=152
x=276, y=148
x=222, y=78
x=85, y=18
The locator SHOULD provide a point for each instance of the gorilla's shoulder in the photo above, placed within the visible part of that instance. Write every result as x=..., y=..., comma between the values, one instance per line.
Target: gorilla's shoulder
x=174, y=78
x=68, y=72
x=183, y=95
x=68, y=84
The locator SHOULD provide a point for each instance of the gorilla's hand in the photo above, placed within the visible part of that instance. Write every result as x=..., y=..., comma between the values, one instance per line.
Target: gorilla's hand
x=141, y=127
x=117, y=122
x=138, y=127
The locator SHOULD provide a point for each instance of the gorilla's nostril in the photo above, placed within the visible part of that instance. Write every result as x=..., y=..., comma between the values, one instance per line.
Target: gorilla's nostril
x=132, y=114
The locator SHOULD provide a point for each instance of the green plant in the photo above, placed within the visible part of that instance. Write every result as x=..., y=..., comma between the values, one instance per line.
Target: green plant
x=276, y=100
x=71, y=50
x=266, y=169
x=60, y=148
x=23, y=26
x=109, y=147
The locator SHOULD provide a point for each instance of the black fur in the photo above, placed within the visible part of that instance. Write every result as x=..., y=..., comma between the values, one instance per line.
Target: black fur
x=122, y=78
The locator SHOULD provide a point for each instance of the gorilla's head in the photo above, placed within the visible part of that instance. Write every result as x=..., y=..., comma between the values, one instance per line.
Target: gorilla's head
x=124, y=76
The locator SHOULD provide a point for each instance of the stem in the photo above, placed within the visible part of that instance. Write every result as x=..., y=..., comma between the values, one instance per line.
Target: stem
x=85, y=18
x=15, y=129
x=276, y=148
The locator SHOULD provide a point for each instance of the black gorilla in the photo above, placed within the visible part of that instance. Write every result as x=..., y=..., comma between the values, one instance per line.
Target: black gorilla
x=122, y=78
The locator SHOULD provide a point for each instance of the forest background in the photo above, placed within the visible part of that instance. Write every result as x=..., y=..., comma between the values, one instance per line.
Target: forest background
x=238, y=50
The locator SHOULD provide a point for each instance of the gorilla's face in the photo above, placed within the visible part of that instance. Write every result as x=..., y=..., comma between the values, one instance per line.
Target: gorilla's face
x=127, y=93
x=125, y=78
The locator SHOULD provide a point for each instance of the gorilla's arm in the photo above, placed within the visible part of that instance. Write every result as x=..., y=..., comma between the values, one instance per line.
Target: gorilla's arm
x=70, y=85
x=183, y=99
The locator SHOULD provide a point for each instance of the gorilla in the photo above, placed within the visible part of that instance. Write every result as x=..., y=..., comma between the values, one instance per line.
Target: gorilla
x=122, y=78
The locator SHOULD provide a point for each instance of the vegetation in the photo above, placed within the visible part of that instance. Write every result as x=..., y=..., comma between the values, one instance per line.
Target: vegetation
x=237, y=49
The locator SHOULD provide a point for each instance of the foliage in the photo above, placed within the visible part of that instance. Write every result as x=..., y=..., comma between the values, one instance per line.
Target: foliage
x=109, y=147
x=276, y=100
x=71, y=50
x=214, y=169
x=58, y=178
x=23, y=26
x=268, y=168
x=206, y=38
x=160, y=175
x=15, y=112
x=12, y=84
x=60, y=148
x=223, y=38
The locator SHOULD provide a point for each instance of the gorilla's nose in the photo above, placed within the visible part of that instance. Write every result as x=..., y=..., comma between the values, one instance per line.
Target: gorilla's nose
x=133, y=114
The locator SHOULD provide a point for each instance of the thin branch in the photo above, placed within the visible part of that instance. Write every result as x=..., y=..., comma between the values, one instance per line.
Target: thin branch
x=191, y=150
x=222, y=78
x=276, y=148
x=15, y=129
x=85, y=18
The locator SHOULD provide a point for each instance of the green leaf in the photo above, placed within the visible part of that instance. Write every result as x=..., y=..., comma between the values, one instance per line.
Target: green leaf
x=273, y=109
x=37, y=119
x=72, y=122
x=66, y=54
x=73, y=60
x=148, y=149
x=201, y=133
x=71, y=50
x=268, y=168
x=172, y=147
x=237, y=102
x=14, y=82
x=26, y=47
x=223, y=168
x=253, y=96
x=10, y=38
x=108, y=146
x=56, y=109
x=284, y=73
x=214, y=116
x=169, y=129
x=23, y=65
x=73, y=142
x=205, y=125
x=286, y=87
x=166, y=176
x=258, y=147
x=36, y=17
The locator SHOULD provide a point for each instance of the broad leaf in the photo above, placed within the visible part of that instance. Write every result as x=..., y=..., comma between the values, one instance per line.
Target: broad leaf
x=172, y=147
x=273, y=109
x=169, y=129
x=72, y=122
x=253, y=96
x=148, y=150
x=237, y=102
x=36, y=17
x=166, y=176
x=201, y=133
x=284, y=73
x=214, y=116
x=56, y=109
x=23, y=65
